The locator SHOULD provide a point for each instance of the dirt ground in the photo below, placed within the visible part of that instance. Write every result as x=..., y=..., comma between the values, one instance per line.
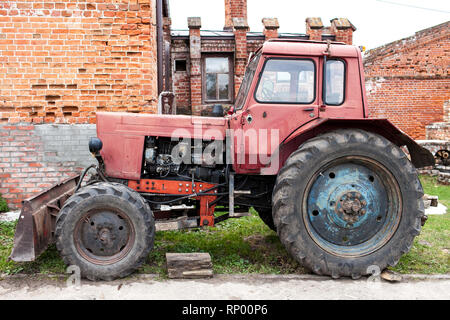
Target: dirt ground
x=228, y=287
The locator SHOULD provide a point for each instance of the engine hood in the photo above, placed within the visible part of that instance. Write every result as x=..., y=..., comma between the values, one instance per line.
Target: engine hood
x=158, y=125
x=123, y=136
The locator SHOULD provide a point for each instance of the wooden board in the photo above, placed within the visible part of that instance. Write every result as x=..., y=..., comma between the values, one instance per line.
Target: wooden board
x=189, y=265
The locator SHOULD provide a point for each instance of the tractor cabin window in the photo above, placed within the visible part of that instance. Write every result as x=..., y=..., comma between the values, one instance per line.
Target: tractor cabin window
x=287, y=81
x=247, y=81
x=335, y=82
x=217, y=79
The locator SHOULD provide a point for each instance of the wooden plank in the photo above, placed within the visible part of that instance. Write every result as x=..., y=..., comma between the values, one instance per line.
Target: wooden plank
x=189, y=265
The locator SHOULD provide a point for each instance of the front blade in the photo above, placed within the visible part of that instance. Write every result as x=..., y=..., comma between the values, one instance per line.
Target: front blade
x=36, y=225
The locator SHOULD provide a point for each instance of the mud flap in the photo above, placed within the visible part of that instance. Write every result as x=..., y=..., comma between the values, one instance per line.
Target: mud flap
x=36, y=225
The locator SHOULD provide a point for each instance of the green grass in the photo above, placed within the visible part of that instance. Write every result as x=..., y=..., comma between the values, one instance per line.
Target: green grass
x=246, y=245
x=48, y=262
x=3, y=205
x=242, y=245
x=430, y=253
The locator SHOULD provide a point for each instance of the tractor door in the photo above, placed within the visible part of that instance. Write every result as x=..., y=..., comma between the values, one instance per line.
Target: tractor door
x=283, y=97
x=341, y=92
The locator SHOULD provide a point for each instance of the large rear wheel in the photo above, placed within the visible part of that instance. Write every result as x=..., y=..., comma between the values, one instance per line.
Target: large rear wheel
x=347, y=202
x=107, y=230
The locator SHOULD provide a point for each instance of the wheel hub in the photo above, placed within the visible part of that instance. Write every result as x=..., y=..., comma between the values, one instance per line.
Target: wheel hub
x=103, y=236
x=351, y=206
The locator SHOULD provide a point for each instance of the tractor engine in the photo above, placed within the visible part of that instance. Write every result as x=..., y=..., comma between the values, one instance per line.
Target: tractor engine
x=164, y=157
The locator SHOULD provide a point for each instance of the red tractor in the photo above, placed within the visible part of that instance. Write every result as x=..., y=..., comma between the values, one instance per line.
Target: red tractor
x=297, y=146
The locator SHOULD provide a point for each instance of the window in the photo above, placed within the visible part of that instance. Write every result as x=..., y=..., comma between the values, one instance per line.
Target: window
x=217, y=79
x=287, y=81
x=180, y=65
x=247, y=82
x=335, y=82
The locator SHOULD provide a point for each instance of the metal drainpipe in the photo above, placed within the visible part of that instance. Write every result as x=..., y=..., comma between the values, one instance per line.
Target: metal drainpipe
x=160, y=44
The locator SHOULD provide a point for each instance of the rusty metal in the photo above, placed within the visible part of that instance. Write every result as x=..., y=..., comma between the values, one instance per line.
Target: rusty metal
x=334, y=217
x=443, y=156
x=34, y=231
x=182, y=188
x=104, y=237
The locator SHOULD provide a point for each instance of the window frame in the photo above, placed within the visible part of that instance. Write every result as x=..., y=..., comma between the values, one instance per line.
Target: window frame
x=258, y=56
x=230, y=82
x=324, y=89
x=280, y=102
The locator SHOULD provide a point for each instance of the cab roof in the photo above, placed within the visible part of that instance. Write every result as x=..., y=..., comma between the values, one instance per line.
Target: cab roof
x=309, y=48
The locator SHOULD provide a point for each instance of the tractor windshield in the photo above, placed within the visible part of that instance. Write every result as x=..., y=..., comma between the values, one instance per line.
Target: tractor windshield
x=246, y=83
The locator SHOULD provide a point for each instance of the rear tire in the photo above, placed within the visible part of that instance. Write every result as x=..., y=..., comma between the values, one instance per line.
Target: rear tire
x=106, y=229
x=346, y=203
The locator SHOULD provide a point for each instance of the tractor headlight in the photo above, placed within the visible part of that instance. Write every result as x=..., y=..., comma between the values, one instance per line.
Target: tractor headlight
x=95, y=145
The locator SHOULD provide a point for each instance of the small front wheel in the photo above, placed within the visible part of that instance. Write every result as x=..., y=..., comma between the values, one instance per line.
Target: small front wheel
x=107, y=230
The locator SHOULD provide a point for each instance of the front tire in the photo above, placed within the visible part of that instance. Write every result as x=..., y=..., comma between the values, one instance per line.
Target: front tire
x=347, y=202
x=106, y=229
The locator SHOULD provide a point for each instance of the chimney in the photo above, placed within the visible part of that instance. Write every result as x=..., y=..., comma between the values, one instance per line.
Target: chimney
x=343, y=30
x=240, y=26
x=234, y=9
x=271, y=26
x=314, y=28
x=194, y=24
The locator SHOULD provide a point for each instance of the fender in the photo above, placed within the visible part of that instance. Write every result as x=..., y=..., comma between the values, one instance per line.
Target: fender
x=420, y=157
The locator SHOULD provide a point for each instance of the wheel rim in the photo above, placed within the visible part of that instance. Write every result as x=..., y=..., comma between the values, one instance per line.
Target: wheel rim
x=104, y=236
x=352, y=206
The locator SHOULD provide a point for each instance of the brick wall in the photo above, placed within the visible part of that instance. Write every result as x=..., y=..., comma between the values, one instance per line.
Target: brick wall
x=35, y=157
x=61, y=61
x=408, y=80
x=181, y=79
x=410, y=103
x=438, y=131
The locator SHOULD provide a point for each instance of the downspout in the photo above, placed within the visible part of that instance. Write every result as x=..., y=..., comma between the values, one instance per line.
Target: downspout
x=160, y=43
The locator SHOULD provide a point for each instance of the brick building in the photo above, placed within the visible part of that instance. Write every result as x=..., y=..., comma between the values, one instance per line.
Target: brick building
x=208, y=66
x=61, y=62
x=408, y=82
